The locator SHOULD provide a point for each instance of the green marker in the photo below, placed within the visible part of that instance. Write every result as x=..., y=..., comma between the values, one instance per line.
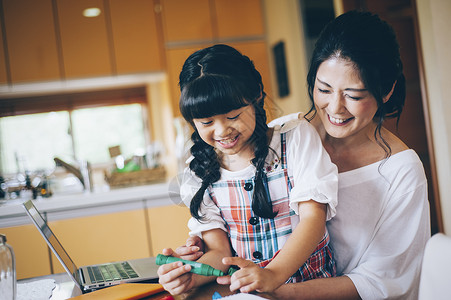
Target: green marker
x=196, y=267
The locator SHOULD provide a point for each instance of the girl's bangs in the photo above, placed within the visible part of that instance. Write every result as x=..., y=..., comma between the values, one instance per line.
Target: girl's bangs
x=209, y=96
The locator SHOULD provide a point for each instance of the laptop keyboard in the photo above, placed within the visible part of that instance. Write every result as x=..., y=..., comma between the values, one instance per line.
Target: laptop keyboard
x=111, y=272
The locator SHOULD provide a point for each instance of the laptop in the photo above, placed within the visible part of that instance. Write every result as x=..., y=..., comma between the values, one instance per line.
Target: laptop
x=94, y=277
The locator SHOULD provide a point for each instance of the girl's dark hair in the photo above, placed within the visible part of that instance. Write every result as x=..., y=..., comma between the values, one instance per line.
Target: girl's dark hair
x=217, y=80
x=370, y=44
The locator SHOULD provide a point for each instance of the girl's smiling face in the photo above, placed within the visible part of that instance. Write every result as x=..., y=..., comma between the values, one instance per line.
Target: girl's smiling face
x=345, y=106
x=229, y=133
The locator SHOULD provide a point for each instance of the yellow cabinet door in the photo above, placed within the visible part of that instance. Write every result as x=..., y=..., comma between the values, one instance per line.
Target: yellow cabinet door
x=137, y=44
x=168, y=227
x=239, y=18
x=102, y=238
x=30, y=249
x=186, y=20
x=31, y=40
x=85, y=43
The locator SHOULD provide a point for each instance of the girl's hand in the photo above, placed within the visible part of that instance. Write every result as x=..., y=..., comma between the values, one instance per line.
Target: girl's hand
x=175, y=277
x=249, y=278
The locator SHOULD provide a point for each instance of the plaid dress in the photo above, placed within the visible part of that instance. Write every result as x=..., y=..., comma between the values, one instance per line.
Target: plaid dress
x=259, y=239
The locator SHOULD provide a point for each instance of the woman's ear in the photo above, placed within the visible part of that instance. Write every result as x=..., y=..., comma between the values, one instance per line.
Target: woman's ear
x=387, y=97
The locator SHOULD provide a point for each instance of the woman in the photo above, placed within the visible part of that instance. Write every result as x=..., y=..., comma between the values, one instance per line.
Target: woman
x=381, y=227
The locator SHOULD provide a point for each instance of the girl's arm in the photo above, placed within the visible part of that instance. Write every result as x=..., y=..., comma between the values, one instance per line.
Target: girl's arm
x=176, y=278
x=298, y=248
x=301, y=243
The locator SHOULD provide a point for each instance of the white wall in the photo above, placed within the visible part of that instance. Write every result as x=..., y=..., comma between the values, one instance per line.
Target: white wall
x=283, y=24
x=435, y=24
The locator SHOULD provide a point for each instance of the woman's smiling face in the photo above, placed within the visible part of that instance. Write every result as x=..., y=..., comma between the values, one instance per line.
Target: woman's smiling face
x=343, y=103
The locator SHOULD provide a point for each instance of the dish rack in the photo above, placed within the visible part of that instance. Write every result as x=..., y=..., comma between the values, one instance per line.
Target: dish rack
x=140, y=177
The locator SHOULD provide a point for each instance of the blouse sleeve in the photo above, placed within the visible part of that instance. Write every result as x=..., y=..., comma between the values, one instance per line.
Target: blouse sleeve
x=315, y=176
x=189, y=187
x=391, y=264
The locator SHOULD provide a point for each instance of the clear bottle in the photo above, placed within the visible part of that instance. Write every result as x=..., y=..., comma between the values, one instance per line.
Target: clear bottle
x=7, y=270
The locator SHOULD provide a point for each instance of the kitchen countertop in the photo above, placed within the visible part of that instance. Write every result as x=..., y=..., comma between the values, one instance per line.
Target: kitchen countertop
x=84, y=204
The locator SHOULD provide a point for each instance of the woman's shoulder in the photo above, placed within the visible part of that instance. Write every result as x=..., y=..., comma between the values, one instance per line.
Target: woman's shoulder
x=404, y=161
x=396, y=144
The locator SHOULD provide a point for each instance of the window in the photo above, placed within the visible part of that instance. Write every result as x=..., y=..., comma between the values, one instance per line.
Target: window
x=30, y=142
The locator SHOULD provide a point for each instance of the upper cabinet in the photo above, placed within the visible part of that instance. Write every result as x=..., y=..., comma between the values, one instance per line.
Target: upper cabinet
x=137, y=42
x=53, y=40
x=238, y=18
x=85, y=41
x=211, y=20
x=187, y=20
x=30, y=40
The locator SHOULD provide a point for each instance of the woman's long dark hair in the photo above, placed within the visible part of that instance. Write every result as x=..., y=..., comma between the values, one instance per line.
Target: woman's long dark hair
x=371, y=45
x=217, y=80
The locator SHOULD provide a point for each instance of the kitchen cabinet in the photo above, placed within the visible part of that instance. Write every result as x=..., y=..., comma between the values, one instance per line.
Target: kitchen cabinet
x=206, y=20
x=238, y=18
x=102, y=238
x=30, y=249
x=186, y=20
x=138, y=45
x=86, y=44
x=31, y=40
x=104, y=228
x=168, y=226
x=51, y=40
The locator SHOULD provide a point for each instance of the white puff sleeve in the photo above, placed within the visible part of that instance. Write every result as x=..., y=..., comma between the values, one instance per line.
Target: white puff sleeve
x=189, y=187
x=315, y=176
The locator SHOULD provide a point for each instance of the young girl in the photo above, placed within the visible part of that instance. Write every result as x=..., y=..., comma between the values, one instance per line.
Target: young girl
x=262, y=195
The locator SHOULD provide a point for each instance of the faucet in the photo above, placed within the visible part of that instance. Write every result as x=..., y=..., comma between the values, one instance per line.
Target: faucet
x=83, y=172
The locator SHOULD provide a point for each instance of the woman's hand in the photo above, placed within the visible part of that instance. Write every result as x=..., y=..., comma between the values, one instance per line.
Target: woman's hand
x=192, y=250
x=249, y=278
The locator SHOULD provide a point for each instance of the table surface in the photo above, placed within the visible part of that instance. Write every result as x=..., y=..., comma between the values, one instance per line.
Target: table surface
x=65, y=289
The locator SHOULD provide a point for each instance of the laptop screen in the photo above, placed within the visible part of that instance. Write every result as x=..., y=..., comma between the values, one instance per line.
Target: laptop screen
x=52, y=241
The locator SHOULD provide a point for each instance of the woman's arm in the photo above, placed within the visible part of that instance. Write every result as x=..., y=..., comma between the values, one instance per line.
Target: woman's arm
x=336, y=288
